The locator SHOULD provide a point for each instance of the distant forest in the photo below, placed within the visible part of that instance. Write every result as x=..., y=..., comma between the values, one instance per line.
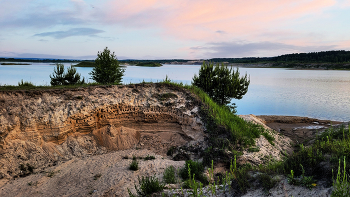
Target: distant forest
x=37, y=60
x=324, y=59
x=341, y=56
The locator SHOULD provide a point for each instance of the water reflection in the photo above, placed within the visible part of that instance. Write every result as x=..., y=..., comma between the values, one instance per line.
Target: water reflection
x=320, y=94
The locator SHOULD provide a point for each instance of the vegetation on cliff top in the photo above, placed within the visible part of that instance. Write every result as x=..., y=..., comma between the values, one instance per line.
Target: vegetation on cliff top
x=60, y=77
x=221, y=83
x=107, y=69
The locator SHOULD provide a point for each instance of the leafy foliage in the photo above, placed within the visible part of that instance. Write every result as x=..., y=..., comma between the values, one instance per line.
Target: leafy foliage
x=196, y=170
x=341, y=184
x=221, y=83
x=26, y=84
x=149, y=157
x=147, y=186
x=169, y=175
x=71, y=77
x=134, y=165
x=266, y=181
x=107, y=69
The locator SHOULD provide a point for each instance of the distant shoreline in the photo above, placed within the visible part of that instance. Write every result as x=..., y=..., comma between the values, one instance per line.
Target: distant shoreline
x=11, y=64
x=155, y=63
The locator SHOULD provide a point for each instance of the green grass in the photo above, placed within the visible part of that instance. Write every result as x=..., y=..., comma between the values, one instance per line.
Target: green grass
x=241, y=132
x=266, y=181
x=318, y=161
x=148, y=157
x=196, y=170
x=134, y=166
x=253, y=149
x=341, y=184
x=147, y=186
x=169, y=175
x=269, y=137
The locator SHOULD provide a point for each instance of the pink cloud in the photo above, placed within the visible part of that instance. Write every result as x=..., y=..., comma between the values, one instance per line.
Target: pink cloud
x=202, y=19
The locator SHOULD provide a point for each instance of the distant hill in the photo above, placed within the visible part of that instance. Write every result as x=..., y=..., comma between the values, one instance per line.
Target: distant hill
x=341, y=56
x=325, y=59
x=36, y=60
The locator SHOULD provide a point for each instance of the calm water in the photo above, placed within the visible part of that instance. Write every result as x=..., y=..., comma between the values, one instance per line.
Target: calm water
x=273, y=91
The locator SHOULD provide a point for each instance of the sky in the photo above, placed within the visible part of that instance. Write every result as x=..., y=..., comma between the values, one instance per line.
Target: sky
x=171, y=29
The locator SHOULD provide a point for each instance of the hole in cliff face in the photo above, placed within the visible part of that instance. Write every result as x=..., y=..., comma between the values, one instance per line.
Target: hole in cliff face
x=120, y=127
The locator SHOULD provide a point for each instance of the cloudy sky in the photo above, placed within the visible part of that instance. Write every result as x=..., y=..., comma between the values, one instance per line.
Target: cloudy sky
x=166, y=29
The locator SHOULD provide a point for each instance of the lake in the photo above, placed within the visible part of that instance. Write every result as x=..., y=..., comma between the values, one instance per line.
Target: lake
x=322, y=94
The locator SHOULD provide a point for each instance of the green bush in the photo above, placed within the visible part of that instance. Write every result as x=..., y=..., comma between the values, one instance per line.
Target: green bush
x=341, y=184
x=147, y=186
x=196, y=169
x=269, y=137
x=71, y=77
x=266, y=181
x=148, y=157
x=253, y=149
x=26, y=84
x=166, y=96
x=134, y=165
x=169, y=175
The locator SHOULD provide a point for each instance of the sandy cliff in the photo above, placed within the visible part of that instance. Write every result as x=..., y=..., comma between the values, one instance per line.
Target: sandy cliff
x=38, y=129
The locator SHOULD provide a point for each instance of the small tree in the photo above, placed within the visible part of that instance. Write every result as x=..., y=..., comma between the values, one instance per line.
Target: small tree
x=221, y=83
x=107, y=69
x=59, y=77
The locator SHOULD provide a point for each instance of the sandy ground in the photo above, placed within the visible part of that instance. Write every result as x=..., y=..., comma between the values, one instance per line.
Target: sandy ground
x=77, y=177
x=108, y=174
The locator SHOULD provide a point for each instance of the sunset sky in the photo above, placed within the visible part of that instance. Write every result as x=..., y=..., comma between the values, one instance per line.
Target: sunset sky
x=168, y=29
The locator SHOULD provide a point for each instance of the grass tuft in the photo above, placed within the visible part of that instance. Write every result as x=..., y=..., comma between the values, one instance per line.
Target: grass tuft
x=147, y=186
x=134, y=166
x=169, y=175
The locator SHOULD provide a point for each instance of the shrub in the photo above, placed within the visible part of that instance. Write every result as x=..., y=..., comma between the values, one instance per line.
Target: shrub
x=71, y=77
x=171, y=151
x=341, y=184
x=266, y=181
x=269, y=137
x=25, y=84
x=149, y=157
x=196, y=169
x=134, y=165
x=166, y=96
x=253, y=149
x=147, y=186
x=107, y=69
x=169, y=175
